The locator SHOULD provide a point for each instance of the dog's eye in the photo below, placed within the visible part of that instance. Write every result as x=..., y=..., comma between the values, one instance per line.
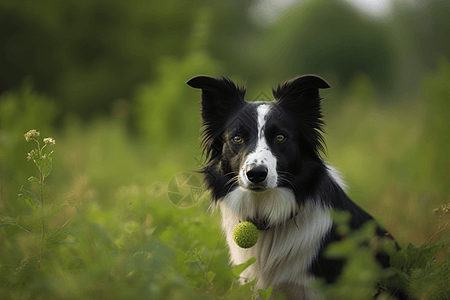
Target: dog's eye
x=238, y=140
x=280, y=138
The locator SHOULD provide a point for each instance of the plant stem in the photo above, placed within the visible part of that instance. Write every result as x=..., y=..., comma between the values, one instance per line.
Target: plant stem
x=439, y=230
x=41, y=198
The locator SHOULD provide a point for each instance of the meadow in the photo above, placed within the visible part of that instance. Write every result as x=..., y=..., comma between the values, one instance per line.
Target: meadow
x=96, y=220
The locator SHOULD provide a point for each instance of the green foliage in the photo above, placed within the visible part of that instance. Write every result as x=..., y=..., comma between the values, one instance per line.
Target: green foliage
x=240, y=268
x=361, y=273
x=8, y=221
x=164, y=107
x=19, y=110
x=89, y=53
x=414, y=269
x=29, y=198
x=265, y=294
x=436, y=142
x=24, y=106
x=44, y=163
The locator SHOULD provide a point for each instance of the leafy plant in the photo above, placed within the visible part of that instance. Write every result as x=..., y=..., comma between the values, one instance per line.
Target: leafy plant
x=236, y=290
x=414, y=269
x=44, y=163
x=265, y=294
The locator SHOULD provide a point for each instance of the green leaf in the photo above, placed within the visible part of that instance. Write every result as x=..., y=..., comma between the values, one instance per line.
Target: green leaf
x=415, y=256
x=194, y=256
x=354, y=239
x=56, y=236
x=265, y=294
x=210, y=275
x=46, y=164
x=415, y=266
x=341, y=249
x=342, y=219
x=154, y=258
x=102, y=238
x=18, y=272
x=30, y=199
x=7, y=221
x=35, y=181
x=240, y=268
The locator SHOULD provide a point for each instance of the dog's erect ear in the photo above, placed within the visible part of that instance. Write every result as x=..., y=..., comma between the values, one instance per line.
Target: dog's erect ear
x=220, y=96
x=297, y=86
x=217, y=89
x=220, y=99
x=300, y=98
x=203, y=82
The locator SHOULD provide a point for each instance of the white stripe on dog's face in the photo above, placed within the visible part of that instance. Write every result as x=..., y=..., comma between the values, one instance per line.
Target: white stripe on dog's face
x=261, y=155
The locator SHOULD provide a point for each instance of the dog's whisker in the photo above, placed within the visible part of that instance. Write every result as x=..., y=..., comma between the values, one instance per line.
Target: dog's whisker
x=284, y=178
x=233, y=179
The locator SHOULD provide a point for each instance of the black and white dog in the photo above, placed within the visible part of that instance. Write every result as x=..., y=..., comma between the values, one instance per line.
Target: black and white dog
x=264, y=165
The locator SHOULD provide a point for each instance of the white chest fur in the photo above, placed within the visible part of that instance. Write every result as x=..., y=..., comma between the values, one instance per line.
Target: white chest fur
x=284, y=252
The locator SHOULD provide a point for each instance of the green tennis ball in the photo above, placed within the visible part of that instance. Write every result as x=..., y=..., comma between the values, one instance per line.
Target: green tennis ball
x=245, y=234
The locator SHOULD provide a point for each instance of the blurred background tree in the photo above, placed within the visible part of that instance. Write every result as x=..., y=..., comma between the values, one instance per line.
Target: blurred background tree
x=86, y=54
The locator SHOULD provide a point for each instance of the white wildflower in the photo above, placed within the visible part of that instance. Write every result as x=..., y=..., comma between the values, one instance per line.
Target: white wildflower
x=49, y=141
x=31, y=134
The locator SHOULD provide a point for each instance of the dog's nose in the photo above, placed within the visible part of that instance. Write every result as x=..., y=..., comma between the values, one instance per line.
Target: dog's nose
x=257, y=174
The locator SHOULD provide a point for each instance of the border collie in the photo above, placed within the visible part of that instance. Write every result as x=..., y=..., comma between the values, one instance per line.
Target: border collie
x=264, y=165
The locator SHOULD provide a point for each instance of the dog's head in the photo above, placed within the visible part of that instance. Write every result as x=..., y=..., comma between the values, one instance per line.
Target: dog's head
x=259, y=146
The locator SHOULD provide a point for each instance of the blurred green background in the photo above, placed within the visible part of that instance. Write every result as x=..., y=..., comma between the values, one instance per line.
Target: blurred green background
x=106, y=79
